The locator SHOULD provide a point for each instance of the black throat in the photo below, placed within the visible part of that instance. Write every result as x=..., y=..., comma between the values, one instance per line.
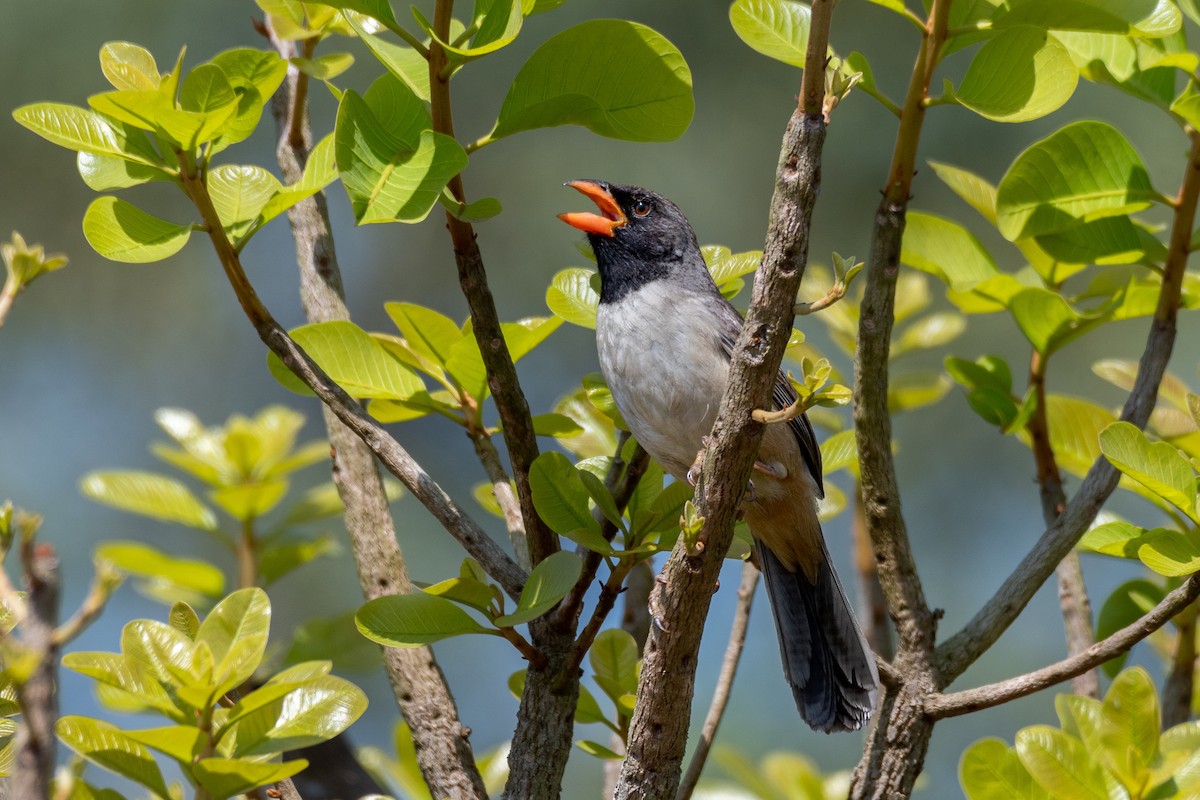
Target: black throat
x=622, y=272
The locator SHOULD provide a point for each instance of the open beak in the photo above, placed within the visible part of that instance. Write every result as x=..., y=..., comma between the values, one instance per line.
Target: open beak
x=607, y=221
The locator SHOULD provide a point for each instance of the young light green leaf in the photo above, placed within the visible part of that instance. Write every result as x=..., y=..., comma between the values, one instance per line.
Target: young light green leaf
x=572, y=297
x=1111, y=240
x=1044, y=317
x=613, y=658
x=977, y=192
x=946, y=249
x=239, y=194
x=990, y=770
x=226, y=777
x=163, y=569
x=148, y=494
x=405, y=63
x=1139, y=18
x=129, y=66
x=428, y=332
x=636, y=85
x=1060, y=763
x=413, y=620
x=1175, y=554
x=121, y=231
x=116, y=671
x=181, y=742
x=107, y=746
x=393, y=170
x=352, y=358
x=304, y=714
x=1129, y=726
x=548, y=583
x=325, y=68
x=184, y=619
x=776, y=28
x=1020, y=75
x=1084, y=171
x=104, y=173
x=598, y=750
x=1159, y=466
x=930, y=331
x=559, y=495
x=236, y=632
x=86, y=131
x=1115, y=538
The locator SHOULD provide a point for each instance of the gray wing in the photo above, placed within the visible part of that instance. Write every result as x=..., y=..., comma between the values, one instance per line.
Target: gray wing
x=783, y=395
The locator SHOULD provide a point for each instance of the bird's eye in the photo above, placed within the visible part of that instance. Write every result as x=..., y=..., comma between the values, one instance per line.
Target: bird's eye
x=641, y=207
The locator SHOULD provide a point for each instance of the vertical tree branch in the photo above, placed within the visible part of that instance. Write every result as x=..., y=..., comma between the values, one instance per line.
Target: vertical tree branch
x=658, y=731
x=899, y=739
x=37, y=696
x=963, y=648
x=873, y=614
x=443, y=748
x=485, y=322
x=1177, y=694
x=1072, y=592
x=729, y=665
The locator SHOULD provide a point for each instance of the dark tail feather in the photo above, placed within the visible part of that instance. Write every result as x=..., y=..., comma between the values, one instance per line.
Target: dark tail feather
x=826, y=659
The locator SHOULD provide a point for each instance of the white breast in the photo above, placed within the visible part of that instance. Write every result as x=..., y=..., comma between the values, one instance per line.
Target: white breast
x=660, y=353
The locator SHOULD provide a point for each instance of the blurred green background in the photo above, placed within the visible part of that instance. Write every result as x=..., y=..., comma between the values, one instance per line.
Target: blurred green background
x=89, y=353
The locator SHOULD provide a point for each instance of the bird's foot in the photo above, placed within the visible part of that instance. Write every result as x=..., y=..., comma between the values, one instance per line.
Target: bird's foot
x=782, y=415
x=693, y=473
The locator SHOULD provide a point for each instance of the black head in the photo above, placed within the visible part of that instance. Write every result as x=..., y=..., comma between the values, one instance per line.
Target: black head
x=638, y=237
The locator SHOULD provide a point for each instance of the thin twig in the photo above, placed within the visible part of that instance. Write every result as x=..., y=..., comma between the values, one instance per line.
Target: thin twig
x=658, y=730
x=1072, y=592
x=729, y=666
x=506, y=498
x=963, y=648
x=443, y=745
x=951, y=705
x=1178, y=692
x=609, y=593
x=513, y=408
x=7, y=295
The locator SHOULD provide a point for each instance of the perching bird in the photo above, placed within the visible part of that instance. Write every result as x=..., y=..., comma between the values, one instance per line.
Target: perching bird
x=664, y=335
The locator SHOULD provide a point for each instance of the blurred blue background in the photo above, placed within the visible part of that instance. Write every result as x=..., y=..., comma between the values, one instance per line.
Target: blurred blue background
x=89, y=353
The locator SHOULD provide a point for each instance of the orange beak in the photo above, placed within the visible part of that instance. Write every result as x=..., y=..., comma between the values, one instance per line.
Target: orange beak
x=606, y=222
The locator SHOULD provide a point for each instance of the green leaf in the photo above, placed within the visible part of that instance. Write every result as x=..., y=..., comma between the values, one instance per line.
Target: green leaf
x=413, y=620
x=104, y=173
x=236, y=632
x=991, y=770
x=164, y=570
x=497, y=24
x=325, y=68
x=557, y=425
x=86, y=131
x=409, y=66
x=376, y=9
x=150, y=495
x=1079, y=717
x=1115, y=538
x=615, y=78
x=928, y=332
x=247, y=501
x=1020, y=75
x=468, y=588
x=226, y=777
x=572, y=297
x=304, y=714
x=1158, y=466
x=915, y=389
x=1075, y=427
x=1111, y=240
x=183, y=619
x=559, y=495
x=429, y=333
x=601, y=497
x=1172, y=553
x=550, y=581
x=614, y=661
x=279, y=559
x=351, y=358
x=239, y=195
x=1147, y=18
x=181, y=742
x=478, y=211
x=1129, y=725
x=120, y=231
x=1044, y=317
x=1060, y=764
x=117, y=671
x=974, y=190
x=392, y=165
x=947, y=250
x=107, y=746
x=129, y=66
x=598, y=750
x=1086, y=170
x=776, y=28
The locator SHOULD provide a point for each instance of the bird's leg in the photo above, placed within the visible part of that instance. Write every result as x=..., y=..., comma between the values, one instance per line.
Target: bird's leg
x=773, y=468
x=782, y=415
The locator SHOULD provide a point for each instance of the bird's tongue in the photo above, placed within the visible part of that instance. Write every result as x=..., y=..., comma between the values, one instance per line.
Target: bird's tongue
x=606, y=222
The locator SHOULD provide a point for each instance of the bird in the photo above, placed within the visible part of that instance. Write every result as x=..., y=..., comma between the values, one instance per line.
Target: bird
x=664, y=336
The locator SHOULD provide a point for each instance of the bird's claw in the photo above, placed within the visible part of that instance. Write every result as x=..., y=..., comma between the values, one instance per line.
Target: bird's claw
x=693, y=473
x=655, y=606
